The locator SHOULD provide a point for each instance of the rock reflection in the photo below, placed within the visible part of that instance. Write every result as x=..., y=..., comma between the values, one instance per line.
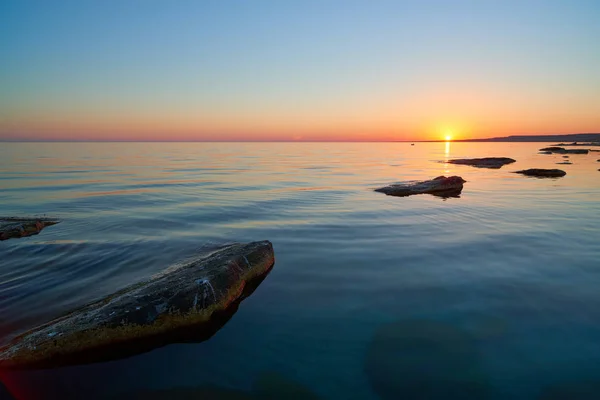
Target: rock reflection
x=420, y=359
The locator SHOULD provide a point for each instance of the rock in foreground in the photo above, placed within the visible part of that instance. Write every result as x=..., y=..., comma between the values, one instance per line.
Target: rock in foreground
x=14, y=228
x=440, y=186
x=487, y=162
x=188, y=303
x=542, y=173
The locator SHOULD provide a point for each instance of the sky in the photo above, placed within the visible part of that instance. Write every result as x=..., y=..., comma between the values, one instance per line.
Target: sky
x=297, y=70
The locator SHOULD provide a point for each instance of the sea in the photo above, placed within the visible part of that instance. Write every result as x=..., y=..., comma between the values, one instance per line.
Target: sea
x=494, y=294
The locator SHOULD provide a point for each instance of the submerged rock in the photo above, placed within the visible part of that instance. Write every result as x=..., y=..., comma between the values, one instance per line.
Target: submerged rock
x=419, y=359
x=13, y=227
x=440, y=186
x=188, y=303
x=542, y=173
x=487, y=162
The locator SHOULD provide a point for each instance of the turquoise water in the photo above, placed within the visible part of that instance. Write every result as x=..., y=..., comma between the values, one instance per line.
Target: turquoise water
x=495, y=294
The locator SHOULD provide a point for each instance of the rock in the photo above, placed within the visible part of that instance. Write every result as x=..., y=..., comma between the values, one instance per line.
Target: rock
x=577, y=151
x=553, y=149
x=562, y=150
x=13, y=228
x=487, y=162
x=186, y=303
x=545, y=152
x=419, y=359
x=565, y=156
x=565, y=162
x=584, y=390
x=542, y=173
x=440, y=186
x=274, y=386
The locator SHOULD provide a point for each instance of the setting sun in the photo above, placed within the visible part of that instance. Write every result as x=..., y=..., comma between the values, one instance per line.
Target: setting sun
x=448, y=138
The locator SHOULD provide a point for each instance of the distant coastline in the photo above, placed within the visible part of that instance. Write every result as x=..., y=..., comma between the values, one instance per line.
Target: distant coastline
x=566, y=138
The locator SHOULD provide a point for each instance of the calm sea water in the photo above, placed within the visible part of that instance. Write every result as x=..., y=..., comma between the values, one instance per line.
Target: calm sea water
x=495, y=294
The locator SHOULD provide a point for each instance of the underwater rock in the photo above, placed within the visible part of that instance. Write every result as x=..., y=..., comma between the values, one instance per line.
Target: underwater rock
x=186, y=303
x=440, y=186
x=418, y=359
x=487, y=162
x=274, y=386
x=13, y=227
x=542, y=173
x=584, y=390
x=268, y=386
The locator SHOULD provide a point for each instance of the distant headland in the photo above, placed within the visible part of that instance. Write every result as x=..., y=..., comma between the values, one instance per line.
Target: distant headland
x=573, y=137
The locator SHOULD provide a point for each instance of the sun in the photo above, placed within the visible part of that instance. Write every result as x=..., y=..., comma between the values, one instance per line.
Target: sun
x=448, y=138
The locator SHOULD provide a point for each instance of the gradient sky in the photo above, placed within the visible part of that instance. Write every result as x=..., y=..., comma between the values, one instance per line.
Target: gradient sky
x=297, y=70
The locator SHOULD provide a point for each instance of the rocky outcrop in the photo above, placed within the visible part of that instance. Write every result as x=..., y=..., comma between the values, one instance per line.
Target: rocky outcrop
x=545, y=152
x=553, y=149
x=185, y=303
x=542, y=173
x=562, y=150
x=487, y=162
x=14, y=228
x=440, y=186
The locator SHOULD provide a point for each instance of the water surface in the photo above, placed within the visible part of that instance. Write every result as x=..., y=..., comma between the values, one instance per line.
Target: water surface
x=369, y=294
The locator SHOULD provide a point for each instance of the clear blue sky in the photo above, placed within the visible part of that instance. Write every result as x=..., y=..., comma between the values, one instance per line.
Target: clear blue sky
x=297, y=69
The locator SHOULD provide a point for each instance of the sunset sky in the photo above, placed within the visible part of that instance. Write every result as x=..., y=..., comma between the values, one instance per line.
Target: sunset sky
x=297, y=70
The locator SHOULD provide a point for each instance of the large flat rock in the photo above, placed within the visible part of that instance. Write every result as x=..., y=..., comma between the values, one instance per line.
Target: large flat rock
x=542, y=173
x=486, y=162
x=440, y=186
x=189, y=302
x=14, y=227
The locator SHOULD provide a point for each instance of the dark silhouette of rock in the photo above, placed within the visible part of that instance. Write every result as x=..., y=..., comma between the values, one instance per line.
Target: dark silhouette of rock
x=565, y=156
x=440, y=186
x=553, y=149
x=545, y=152
x=565, y=162
x=542, y=173
x=562, y=150
x=187, y=303
x=418, y=359
x=13, y=227
x=487, y=162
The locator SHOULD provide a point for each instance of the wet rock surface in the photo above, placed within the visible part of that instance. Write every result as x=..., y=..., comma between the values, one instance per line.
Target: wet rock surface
x=542, y=173
x=487, y=162
x=14, y=227
x=441, y=186
x=185, y=303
